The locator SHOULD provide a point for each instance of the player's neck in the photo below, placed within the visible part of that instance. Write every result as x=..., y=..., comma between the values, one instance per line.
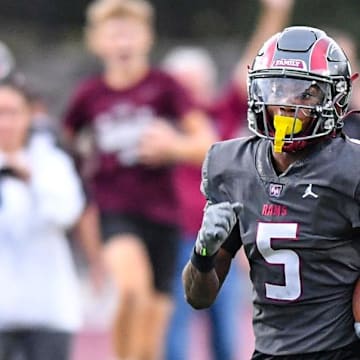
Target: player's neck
x=126, y=75
x=283, y=160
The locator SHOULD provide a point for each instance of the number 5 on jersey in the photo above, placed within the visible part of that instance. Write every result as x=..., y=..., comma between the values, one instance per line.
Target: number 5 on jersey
x=266, y=233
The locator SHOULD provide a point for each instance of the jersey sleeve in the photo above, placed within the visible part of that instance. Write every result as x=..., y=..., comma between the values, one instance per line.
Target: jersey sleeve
x=205, y=187
x=212, y=184
x=213, y=195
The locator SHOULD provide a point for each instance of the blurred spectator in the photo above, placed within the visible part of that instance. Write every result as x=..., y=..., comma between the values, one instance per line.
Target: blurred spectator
x=142, y=122
x=348, y=44
x=196, y=71
x=44, y=131
x=44, y=126
x=41, y=198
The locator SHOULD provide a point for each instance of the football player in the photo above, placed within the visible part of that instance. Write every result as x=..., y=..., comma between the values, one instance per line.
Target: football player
x=194, y=68
x=290, y=195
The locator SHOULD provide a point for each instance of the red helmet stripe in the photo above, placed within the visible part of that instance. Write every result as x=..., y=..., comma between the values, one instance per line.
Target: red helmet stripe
x=269, y=52
x=318, y=61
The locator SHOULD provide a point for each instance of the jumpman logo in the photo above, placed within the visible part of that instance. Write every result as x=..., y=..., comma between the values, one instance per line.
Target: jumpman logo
x=309, y=192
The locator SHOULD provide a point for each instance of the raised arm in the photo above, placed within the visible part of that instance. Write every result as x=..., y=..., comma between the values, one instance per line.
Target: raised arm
x=274, y=16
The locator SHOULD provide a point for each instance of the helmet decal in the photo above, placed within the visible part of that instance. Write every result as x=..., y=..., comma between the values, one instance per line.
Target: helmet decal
x=290, y=63
x=318, y=56
x=267, y=53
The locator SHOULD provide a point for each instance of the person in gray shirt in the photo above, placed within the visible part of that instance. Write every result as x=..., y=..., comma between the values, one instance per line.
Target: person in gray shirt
x=290, y=195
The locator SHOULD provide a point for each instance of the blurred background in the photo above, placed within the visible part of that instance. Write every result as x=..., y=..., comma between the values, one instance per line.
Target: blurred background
x=47, y=41
x=47, y=36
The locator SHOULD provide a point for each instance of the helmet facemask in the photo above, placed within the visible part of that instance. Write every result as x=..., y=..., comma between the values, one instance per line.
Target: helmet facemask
x=303, y=107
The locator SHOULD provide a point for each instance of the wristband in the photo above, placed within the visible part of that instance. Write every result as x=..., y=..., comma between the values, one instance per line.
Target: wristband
x=203, y=263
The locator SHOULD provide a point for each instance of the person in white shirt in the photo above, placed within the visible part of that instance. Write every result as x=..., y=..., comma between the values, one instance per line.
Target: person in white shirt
x=41, y=198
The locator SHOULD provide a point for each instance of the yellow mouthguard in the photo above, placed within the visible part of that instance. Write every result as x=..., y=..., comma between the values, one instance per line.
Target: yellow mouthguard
x=284, y=125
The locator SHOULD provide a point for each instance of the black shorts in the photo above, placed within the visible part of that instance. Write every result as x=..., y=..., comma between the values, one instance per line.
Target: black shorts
x=161, y=242
x=349, y=352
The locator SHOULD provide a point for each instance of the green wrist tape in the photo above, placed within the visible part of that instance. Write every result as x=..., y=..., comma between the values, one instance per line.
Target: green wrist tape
x=202, y=262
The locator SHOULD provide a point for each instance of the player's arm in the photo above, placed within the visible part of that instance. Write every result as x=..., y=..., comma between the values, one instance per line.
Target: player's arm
x=204, y=275
x=217, y=242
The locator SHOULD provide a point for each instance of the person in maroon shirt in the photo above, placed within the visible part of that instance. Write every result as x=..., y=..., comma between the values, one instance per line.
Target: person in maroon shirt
x=142, y=122
x=195, y=70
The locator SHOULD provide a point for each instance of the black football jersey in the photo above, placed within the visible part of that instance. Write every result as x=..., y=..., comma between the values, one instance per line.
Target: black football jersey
x=300, y=232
